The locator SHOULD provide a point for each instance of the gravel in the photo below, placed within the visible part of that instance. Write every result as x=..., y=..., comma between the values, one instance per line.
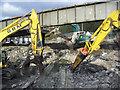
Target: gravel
x=100, y=70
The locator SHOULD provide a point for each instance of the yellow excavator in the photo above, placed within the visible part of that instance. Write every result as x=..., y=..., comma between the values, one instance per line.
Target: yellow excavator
x=110, y=23
x=36, y=38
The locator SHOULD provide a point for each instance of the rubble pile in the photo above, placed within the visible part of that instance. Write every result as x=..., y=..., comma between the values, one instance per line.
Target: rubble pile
x=94, y=76
x=99, y=70
x=15, y=52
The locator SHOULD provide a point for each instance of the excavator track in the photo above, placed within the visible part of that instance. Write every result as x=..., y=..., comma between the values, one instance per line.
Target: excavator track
x=8, y=73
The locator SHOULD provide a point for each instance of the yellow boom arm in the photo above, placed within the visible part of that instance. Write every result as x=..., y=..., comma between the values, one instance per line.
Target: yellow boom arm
x=108, y=24
x=35, y=31
x=112, y=21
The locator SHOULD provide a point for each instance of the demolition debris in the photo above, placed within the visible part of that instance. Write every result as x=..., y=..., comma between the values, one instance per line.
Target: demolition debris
x=98, y=70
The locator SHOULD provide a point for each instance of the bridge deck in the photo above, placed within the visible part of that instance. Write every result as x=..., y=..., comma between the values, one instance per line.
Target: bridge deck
x=72, y=14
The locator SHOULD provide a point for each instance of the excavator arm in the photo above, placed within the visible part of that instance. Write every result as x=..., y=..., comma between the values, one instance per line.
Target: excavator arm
x=12, y=28
x=111, y=22
x=35, y=31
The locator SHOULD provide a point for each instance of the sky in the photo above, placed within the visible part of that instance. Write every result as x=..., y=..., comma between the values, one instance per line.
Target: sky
x=12, y=8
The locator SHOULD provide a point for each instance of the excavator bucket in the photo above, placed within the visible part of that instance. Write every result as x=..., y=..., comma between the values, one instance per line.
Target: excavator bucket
x=37, y=60
x=25, y=70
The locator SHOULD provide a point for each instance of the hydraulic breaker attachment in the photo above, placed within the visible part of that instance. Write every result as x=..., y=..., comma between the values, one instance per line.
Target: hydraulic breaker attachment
x=80, y=57
x=110, y=23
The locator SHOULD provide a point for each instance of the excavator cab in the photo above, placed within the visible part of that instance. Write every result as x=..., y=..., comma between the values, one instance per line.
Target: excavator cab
x=3, y=60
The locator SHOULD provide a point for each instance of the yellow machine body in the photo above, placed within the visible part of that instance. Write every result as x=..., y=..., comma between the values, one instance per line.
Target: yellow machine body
x=111, y=22
x=35, y=32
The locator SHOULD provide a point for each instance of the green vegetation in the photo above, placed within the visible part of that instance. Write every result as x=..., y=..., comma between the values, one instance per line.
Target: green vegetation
x=92, y=26
x=89, y=26
x=66, y=29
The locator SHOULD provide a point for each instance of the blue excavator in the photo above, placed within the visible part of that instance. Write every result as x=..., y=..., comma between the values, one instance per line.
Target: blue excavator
x=79, y=36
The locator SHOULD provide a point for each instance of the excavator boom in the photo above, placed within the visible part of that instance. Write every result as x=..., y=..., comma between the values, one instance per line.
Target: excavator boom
x=12, y=28
x=35, y=31
x=111, y=22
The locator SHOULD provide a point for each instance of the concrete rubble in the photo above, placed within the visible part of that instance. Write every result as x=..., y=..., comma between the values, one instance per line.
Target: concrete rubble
x=99, y=70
